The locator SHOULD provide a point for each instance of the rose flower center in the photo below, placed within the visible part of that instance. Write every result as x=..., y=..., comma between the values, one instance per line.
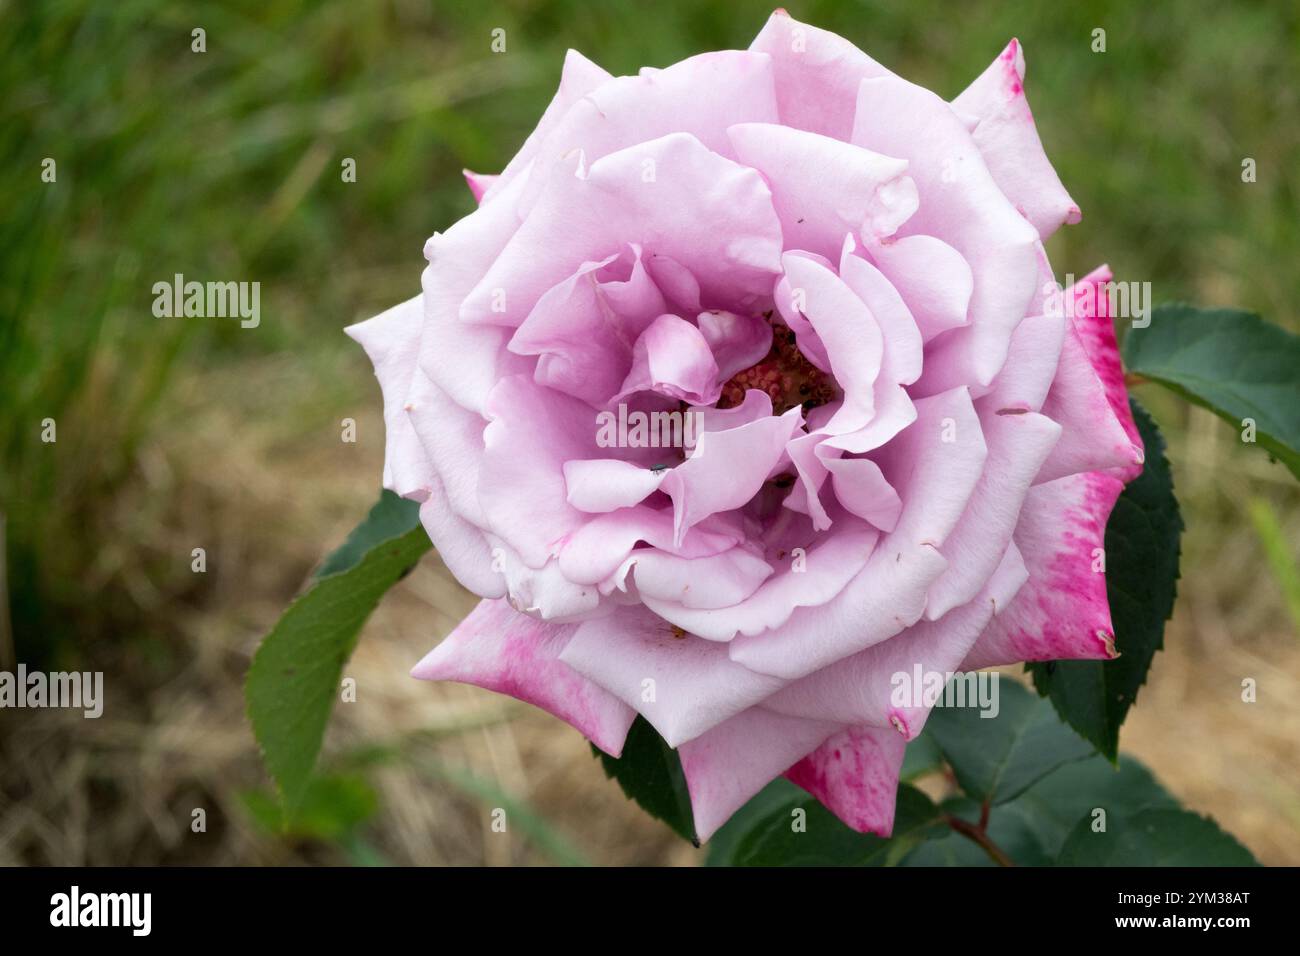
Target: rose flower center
x=785, y=374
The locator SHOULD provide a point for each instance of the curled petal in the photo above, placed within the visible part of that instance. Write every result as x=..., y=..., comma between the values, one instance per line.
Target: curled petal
x=1008, y=139
x=392, y=340
x=599, y=485
x=695, y=207
x=854, y=190
x=737, y=341
x=498, y=649
x=960, y=202
x=673, y=358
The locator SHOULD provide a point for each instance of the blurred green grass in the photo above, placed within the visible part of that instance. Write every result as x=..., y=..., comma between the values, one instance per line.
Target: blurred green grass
x=225, y=165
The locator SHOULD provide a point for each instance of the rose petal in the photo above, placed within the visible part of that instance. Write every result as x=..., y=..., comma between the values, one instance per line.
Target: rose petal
x=1008, y=139
x=854, y=774
x=697, y=208
x=392, y=340
x=510, y=653
x=1062, y=612
x=853, y=190
x=683, y=685
x=727, y=765
x=817, y=75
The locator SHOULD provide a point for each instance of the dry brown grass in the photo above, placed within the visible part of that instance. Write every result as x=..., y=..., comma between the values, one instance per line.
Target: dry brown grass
x=268, y=499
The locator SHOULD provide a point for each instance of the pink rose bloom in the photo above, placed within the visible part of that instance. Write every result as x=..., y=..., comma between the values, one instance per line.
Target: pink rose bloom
x=880, y=435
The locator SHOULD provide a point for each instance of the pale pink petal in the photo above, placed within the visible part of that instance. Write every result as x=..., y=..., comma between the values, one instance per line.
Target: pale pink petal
x=606, y=484
x=630, y=110
x=683, y=685
x=1018, y=445
x=806, y=580
x=931, y=276
x=943, y=452
x=862, y=489
x=960, y=202
x=466, y=361
x=1008, y=139
x=595, y=551
x=479, y=183
x=737, y=341
x=727, y=468
x=392, y=340
x=532, y=432
x=698, y=208
x=543, y=592
x=713, y=581
x=875, y=686
x=1031, y=365
x=727, y=765
x=462, y=547
x=817, y=75
x=579, y=77
x=452, y=437
x=583, y=352
x=852, y=339
x=510, y=653
x=903, y=344
x=672, y=358
x=852, y=191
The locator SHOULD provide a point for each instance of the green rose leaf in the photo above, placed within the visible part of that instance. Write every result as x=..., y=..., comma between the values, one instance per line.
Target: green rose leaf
x=294, y=677
x=1032, y=828
x=1231, y=362
x=995, y=759
x=650, y=772
x=1142, y=548
x=1154, y=837
x=799, y=831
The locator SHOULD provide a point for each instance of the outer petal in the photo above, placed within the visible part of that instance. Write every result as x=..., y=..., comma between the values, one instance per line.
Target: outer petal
x=730, y=763
x=1062, y=612
x=1009, y=141
x=817, y=75
x=579, y=77
x=466, y=361
x=1018, y=445
x=392, y=340
x=635, y=109
x=1091, y=317
x=683, y=685
x=854, y=774
x=1094, y=437
x=461, y=546
x=510, y=653
x=533, y=432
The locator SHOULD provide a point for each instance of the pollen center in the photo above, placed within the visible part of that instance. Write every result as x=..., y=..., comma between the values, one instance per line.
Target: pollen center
x=785, y=374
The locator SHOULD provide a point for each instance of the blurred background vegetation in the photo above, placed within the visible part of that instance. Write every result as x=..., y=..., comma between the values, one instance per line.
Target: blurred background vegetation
x=174, y=434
